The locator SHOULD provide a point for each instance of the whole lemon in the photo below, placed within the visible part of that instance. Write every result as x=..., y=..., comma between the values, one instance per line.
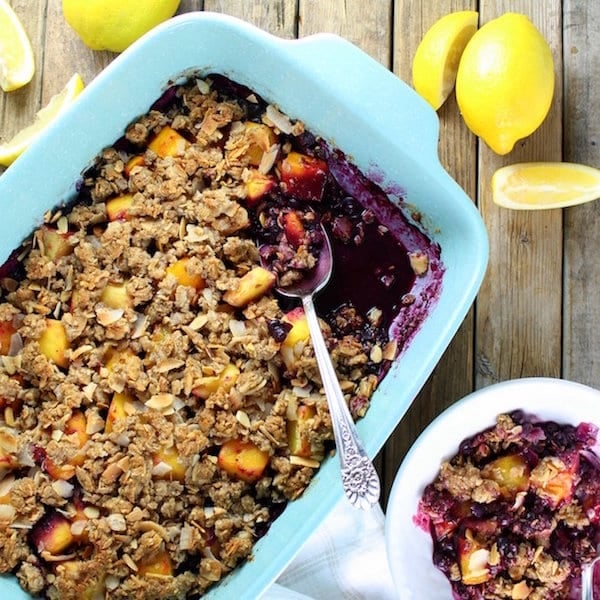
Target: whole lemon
x=505, y=81
x=115, y=24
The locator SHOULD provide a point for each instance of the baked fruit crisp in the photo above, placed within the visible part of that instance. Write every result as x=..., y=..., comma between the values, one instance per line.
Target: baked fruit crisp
x=159, y=404
x=516, y=512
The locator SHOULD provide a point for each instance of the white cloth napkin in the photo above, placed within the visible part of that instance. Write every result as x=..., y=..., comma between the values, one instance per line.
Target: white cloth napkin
x=344, y=559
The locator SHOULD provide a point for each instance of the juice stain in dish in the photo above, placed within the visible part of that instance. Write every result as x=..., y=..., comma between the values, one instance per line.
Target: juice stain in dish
x=160, y=405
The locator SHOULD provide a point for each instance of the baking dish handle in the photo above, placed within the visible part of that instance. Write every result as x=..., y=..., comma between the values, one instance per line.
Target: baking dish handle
x=375, y=92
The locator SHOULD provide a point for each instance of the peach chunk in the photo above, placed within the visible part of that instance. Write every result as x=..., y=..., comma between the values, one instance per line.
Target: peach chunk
x=120, y=407
x=261, y=138
x=57, y=472
x=293, y=228
x=553, y=480
x=117, y=208
x=510, y=472
x=115, y=295
x=52, y=533
x=7, y=330
x=76, y=427
x=257, y=185
x=54, y=244
x=473, y=550
x=179, y=269
x=252, y=286
x=224, y=381
x=170, y=457
x=134, y=161
x=90, y=578
x=159, y=564
x=473, y=559
x=168, y=143
x=242, y=460
x=303, y=176
x=54, y=343
x=297, y=432
x=297, y=337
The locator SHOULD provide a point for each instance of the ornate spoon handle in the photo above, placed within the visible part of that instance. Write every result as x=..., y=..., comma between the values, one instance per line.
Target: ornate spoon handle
x=359, y=477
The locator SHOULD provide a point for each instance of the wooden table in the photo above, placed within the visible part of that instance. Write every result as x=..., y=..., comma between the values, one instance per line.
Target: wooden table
x=538, y=311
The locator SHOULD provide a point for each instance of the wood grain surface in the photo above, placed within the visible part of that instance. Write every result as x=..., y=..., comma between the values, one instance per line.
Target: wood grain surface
x=538, y=311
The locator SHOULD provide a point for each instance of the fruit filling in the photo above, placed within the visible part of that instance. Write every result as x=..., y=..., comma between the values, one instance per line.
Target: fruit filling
x=160, y=403
x=515, y=513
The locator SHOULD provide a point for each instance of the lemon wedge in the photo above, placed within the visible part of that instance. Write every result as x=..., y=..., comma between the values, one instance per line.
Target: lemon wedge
x=540, y=185
x=13, y=148
x=16, y=56
x=435, y=63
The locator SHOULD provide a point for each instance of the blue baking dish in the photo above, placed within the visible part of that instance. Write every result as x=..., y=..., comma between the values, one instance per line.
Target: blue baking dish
x=341, y=94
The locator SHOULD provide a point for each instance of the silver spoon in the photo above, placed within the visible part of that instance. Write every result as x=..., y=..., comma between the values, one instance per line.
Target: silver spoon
x=587, y=580
x=359, y=477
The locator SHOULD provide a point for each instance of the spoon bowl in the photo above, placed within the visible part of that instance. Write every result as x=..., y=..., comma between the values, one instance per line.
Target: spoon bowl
x=359, y=477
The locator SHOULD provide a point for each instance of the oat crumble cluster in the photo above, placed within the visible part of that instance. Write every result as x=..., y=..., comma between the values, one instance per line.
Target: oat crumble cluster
x=516, y=512
x=158, y=406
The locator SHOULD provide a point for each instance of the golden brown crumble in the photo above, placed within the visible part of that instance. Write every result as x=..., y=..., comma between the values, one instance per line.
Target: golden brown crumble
x=111, y=474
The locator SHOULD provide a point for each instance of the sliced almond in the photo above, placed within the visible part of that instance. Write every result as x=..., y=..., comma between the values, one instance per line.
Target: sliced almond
x=160, y=401
x=304, y=462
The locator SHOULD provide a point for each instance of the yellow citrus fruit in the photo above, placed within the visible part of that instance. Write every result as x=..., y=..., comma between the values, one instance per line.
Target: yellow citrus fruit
x=16, y=56
x=21, y=141
x=115, y=24
x=436, y=60
x=505, y=81
x=538, y=185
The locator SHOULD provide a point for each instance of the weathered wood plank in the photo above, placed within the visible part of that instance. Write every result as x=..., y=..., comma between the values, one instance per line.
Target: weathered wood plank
x=519, y=306
x=18, y=107
x=65, y=54
x=278, y=17
x=369, y=29
x=581, y=356
x=453, y=377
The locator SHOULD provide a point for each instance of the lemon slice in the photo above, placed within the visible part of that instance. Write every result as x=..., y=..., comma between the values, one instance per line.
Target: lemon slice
x=12, y=149
x=539, y=185
x=16, y=56
x=436, y=60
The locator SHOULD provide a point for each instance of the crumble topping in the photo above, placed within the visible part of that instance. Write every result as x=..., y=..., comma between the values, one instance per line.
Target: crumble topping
x=513, y=513
x=159, y=404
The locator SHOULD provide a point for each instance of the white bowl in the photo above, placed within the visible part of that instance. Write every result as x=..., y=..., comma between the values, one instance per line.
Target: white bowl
x=409, y=548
